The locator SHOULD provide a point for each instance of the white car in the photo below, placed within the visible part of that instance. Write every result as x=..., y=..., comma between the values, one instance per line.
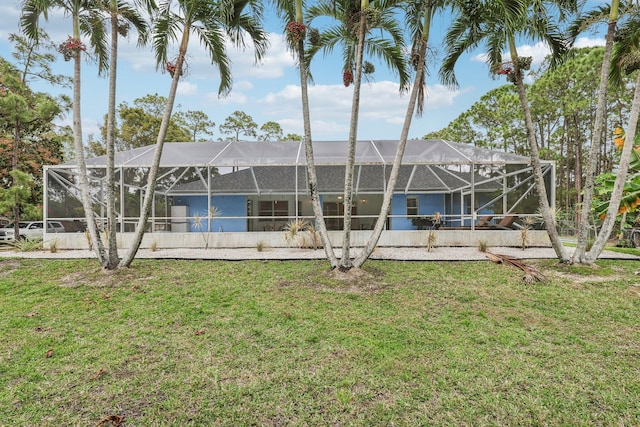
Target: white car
x=30, y=229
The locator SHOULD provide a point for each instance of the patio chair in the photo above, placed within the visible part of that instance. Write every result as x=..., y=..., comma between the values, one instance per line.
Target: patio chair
x=507, y=223
x=484, y=221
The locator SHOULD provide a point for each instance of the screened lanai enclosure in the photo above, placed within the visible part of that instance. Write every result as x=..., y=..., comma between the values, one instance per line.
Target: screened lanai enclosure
x=249, y=191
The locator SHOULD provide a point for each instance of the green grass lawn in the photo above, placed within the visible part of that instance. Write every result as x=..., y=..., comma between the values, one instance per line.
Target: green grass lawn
x=287, y=343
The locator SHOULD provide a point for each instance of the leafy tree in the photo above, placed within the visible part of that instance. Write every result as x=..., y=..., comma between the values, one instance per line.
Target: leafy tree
x=271, y=131
x=94, y=147
x=461, y=129
x=27, y=135
x=139, y=124
x=239, y=123
x=500, y=115
x=292, y=137
x=16, y=198
x=33, y=60
x=86, y=19
x=211, y=21
x=625, y=58
x=197, y=122
x=495, y=121
x=630, y=200
x=562, y=107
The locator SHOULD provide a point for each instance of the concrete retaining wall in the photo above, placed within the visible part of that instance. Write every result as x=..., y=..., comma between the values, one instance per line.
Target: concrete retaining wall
x=536, y=238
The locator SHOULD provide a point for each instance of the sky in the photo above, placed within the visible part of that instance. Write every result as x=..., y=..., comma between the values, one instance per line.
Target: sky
x=270, y=90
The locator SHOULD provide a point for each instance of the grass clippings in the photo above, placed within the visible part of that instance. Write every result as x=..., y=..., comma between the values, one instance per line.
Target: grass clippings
x=289, y=343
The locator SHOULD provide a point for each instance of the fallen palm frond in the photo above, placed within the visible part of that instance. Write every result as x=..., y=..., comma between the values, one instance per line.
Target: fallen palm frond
x=115, y=420
x=531, y=274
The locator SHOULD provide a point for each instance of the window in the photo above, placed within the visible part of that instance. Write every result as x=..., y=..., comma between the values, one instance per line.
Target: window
x=412, y=206
x=271, y=208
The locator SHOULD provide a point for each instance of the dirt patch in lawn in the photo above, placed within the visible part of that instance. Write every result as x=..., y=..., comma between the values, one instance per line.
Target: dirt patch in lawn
x=8, y=266
x=354, y=281
x=99, y=277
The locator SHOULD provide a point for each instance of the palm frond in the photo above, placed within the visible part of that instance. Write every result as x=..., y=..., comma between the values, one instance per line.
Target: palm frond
x=625, y=57
x=92, y=26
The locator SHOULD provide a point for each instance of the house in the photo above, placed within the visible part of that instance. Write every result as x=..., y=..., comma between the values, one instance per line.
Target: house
x=247, y=190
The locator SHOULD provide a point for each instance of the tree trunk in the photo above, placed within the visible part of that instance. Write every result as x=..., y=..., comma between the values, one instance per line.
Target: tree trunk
x=83, y=179
x=308, y=147
x=583, y=227
x=112, y=254
x=577, y=161
x=345, y=262
x=402, y=143
x=621, y=176
x=547, y=216
x=155, y=167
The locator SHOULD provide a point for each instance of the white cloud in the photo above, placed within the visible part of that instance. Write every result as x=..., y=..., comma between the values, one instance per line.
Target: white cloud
x=588, y=42
x=242, y=60
x=538, y=52
x=199, y=67
x=381, y=107
x=481, y=57
x=186, y=88
x=234, y=98
x=243, y=85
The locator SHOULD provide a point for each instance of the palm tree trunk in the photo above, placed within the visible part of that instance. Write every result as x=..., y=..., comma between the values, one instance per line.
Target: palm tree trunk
x=155, y=167
x=596, y=141
x=404, y=135
x=112, y=256
x=618, y=186
x=345, y=262
x=83, y=178
x=308, y=147
x=549, y=220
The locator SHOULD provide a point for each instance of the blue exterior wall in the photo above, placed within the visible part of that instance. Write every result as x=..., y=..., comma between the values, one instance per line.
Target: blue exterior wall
x=428, y=204
x=236, y=206
x=227, y=206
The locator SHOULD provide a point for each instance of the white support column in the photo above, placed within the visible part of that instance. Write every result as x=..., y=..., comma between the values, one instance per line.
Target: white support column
x=296, y=190
x=505, y=206
x=210, y=220
x=473, y=197
x=45, y=199
x=122, y=204
x=552, y=192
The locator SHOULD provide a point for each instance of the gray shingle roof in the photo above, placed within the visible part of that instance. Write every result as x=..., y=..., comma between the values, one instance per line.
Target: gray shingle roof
x=368, y=179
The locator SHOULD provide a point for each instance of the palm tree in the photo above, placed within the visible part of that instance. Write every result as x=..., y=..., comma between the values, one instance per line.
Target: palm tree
x=613, y=14
x=419, y=15
x=296, y=32
x=212, y=22
x=497, y=23
x=356, y=21
x=121, y=15
x=86, y=20
x=622, y=55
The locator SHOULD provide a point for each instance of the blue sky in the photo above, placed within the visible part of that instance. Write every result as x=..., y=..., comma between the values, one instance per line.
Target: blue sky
x=270, y=91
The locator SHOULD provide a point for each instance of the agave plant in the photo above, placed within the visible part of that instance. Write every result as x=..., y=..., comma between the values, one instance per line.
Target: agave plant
x=294, y=231
x=199, y=223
